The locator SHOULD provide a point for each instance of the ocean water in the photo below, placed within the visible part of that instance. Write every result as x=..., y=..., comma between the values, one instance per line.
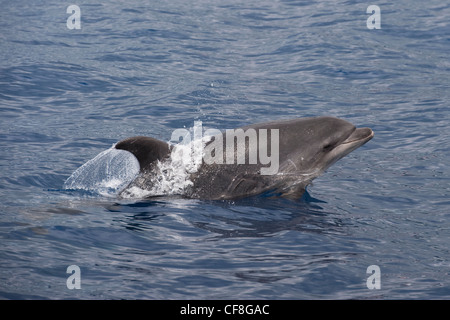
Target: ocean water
x=148, y=68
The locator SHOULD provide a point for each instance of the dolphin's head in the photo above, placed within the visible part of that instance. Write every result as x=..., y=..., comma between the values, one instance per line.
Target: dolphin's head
x=310, y=146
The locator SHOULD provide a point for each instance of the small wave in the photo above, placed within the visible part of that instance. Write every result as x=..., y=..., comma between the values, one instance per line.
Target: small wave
x=116, y=172
x=106, y=174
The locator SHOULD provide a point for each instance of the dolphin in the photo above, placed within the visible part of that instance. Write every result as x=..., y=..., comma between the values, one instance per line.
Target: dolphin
x=304, y=149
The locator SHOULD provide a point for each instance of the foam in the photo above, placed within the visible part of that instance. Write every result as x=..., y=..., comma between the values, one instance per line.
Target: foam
x=172, y=176
x=114, y=172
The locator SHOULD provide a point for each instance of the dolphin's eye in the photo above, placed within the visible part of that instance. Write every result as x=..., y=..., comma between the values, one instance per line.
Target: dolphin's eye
x=327, y=147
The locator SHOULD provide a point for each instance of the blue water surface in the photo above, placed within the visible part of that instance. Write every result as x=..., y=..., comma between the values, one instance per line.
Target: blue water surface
x=148, y=68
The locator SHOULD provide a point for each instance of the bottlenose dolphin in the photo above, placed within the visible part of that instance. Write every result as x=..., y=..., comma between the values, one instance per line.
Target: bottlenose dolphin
x=304, y=148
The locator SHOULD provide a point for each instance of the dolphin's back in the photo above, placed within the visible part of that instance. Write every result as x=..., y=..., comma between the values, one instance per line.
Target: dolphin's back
x=146, y=149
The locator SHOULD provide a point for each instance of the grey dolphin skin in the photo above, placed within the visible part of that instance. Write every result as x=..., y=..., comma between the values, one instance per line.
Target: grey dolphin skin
x=305, y=148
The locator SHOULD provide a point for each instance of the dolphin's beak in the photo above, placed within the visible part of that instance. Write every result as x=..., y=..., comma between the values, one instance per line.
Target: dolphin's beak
x=358, y=137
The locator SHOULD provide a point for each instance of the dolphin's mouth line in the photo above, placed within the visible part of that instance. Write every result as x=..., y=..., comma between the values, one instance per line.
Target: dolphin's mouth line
x=298, y=174
x=359, y=135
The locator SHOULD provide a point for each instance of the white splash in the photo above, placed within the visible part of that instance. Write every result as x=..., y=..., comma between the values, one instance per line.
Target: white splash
x=171, y=176
x=116, y=172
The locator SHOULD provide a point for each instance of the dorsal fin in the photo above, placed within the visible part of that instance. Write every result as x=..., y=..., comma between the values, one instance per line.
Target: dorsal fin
x=147, y=150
